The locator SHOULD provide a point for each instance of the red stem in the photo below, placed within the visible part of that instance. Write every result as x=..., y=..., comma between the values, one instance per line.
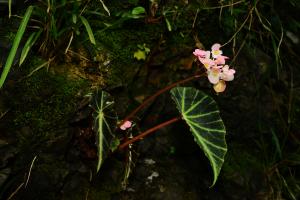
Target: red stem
x=157, y=94
x=147, y=132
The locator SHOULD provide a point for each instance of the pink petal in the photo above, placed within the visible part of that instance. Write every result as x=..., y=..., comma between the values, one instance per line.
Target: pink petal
x=220, y=60
x=225, y=68
x=215, y=47
x=227, y=77
x=214, y=75
x=207, y=62
x=199, y=53
x=227, y=74
x=207, y=54
x=126, y=125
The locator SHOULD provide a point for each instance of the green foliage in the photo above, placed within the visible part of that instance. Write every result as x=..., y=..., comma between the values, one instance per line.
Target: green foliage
x=135, y=13
x=104, y=124
x=141, y=53
x=122, y=44
x=260, y=24
x=29, y=43
x=198, y=110
x=138, y=10
x=57, y=23
x=202, y=115
x=15, y=45
x=262, y=30
x=105, y=7
x=57, y=26
x=88, y=29
x=49, y=100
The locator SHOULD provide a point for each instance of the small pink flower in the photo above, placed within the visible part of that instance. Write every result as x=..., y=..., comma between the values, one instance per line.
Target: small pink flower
x=214, y=74
x=126, y=125
x=215, y=50
x=227, y=74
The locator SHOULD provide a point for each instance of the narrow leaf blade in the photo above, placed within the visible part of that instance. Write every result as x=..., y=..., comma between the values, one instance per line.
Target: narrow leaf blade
x=29, y=43
x=202, y=115
x=9, y=8
x=15, y=45
x=105, y=7
x=88, y=29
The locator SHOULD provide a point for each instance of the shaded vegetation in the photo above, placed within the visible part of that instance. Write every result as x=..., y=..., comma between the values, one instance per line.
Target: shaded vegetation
x=47, y=144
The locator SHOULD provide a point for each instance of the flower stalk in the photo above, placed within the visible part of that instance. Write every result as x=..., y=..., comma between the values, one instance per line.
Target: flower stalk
x=158, y=93
x=149, y=131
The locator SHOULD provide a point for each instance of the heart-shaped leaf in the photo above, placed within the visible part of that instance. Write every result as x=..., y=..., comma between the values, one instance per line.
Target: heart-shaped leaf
x=104, y=123
x=201, y=113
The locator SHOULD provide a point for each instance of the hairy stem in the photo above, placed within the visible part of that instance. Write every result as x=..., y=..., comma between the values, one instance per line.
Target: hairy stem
x=147, y=132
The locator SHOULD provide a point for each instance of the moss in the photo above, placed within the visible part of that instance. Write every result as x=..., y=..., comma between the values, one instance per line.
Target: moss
x=239, y=160
x=46, y=100
x=47, y=178
x=122, y=43
x=122, y=38
x=243, y=169
x=41, y=109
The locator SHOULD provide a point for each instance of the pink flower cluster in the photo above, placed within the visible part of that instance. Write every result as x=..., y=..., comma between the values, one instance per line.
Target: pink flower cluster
x=214, y=62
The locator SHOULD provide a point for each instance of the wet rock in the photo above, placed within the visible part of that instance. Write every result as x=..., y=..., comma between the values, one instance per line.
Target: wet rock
x=77, y=182
x=4, y=174
x=3, y=143
x=7, y=152
x=46, y=179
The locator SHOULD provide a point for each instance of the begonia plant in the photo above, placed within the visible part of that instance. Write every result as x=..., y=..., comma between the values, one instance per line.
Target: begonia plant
x=199, y=111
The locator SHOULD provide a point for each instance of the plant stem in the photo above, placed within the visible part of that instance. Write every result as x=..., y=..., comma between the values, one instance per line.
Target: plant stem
x=161, y=91
x=147, y=132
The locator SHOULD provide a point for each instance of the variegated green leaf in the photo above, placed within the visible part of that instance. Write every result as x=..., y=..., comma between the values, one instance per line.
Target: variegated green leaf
x=104, y=124
x=201, y=113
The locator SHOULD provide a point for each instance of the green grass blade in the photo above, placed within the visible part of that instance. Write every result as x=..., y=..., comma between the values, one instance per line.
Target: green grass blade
x=15, y=45
x=54, y=28
x=201, y=113
x=88, y=29
x=169, y=26
x=74, y=18
x=105, y=7
x=276, y=144
x=29, y=43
